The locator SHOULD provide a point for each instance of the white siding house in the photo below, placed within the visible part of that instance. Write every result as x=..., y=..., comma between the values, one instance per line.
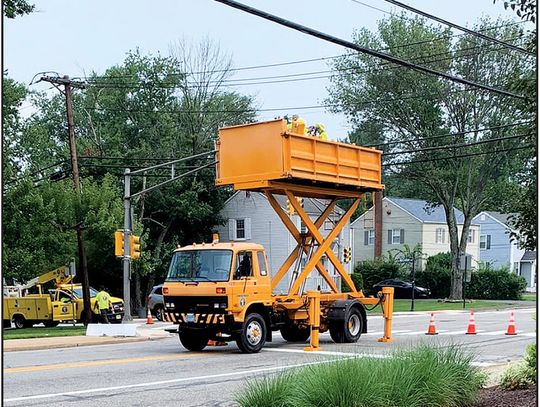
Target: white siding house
x=411, y=222
x=250, y=217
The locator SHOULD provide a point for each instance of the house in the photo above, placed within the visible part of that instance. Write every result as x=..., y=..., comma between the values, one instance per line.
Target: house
x=249, y=217
x=411, y=222
x=499, y=249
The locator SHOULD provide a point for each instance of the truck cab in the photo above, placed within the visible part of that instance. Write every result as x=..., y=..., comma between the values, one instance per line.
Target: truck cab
x=219, y=291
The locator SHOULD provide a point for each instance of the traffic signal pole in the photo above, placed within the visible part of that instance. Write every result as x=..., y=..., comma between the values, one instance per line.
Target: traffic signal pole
x=126, y=258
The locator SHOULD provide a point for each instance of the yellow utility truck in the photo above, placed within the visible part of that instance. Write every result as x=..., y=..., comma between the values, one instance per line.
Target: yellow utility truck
x=225, y=291
x=29, y=304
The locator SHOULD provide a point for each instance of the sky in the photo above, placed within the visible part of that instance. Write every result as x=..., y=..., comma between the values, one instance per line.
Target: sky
x=77, y=37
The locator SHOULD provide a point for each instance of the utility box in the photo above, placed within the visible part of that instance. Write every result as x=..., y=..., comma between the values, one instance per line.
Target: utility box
x=252, y=155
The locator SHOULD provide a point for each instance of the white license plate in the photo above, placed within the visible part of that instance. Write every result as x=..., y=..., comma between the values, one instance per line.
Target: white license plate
x=118, y=316
x=190, y=317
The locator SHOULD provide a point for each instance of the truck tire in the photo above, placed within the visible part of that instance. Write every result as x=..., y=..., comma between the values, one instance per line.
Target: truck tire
x=192, y=340
x=293, y=333
x=51, y=324
x=158, y=312
x=253, y=335
x=349, y=329
x=20, y=322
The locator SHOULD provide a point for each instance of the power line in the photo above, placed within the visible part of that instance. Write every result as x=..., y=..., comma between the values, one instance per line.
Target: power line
x=459, y=133
x=369, y=51
x=460, y=156
x=450, y=146
x=104, y=83
x=453, y=25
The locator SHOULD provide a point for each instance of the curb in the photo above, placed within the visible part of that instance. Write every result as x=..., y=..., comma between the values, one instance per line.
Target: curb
x=74, y=343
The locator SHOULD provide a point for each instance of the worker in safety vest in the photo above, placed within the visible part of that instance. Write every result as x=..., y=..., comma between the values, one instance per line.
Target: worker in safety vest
x=318, y=131
x=297, y=125
x=103, y=304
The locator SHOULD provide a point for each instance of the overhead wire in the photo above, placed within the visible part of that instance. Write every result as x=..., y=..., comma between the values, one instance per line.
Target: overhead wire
x=459, y=27
x=368, y=51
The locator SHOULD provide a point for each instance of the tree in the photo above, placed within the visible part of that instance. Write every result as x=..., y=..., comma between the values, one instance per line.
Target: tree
x=417, y=112
x=14, y=8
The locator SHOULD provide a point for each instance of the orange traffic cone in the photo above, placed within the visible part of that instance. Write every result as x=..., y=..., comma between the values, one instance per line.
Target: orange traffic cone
x=149, y=320
x=431, y=328
x=511, y=325
x=471, y=328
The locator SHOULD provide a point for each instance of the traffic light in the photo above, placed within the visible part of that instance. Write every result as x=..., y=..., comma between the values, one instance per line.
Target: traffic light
x=135, y=247
x=347, y=254
x=119, y=243
x=290, y=209
x=300, y=201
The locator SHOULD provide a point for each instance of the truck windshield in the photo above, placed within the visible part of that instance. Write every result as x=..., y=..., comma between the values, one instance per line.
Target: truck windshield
x=200, y=265
x=78, y=292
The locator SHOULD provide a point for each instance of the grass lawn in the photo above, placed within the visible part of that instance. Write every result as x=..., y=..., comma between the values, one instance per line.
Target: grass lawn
x=401, y=305
x=529, y=297
x=42, y=332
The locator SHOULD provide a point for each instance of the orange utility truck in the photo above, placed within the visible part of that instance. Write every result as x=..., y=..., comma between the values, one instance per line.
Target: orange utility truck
x=224, y=291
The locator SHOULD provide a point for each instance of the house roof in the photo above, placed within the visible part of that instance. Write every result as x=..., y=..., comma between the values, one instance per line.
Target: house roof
x=423, y=211
x=529, y=256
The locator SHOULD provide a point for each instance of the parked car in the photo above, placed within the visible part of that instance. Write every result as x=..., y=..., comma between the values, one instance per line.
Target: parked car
x=403, y=289
x=155, y=301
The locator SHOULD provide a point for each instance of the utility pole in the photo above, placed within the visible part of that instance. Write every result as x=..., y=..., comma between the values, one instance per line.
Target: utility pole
x=378, y=223
x=83, y=266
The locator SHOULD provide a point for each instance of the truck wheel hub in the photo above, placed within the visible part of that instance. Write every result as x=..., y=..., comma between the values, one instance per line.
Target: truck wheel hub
x=253, y=333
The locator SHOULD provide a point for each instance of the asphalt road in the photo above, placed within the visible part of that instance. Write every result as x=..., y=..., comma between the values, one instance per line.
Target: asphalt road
x=163, y=373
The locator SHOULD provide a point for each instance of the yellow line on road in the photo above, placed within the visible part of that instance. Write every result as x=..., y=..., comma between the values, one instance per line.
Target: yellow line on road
x=60, y=366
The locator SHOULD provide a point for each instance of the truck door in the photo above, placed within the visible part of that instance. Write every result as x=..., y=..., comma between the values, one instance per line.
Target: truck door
x=245, y=284
x=63, y=306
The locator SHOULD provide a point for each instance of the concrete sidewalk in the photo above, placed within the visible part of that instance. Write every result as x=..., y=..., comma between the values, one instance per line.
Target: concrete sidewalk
x=144, y=333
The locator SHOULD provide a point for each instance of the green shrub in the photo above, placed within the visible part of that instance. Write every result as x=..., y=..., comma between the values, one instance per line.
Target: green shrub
x=373, y=271
x=419, y=377
x=531, y=362
x=516, y=377
x=357, y=280
x=490, y=284
x=437, y=275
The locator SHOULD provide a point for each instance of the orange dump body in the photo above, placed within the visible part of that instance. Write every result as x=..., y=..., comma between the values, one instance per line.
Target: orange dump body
x=252, y=155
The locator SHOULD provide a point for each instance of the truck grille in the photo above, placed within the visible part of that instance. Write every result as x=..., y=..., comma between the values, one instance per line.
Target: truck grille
x=199, y=305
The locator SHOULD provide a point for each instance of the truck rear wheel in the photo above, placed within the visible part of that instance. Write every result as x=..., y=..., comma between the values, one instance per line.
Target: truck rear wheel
x=20, y=322
x=294, y=333
x=192, y=340
x=349, y=329
x=253, y=335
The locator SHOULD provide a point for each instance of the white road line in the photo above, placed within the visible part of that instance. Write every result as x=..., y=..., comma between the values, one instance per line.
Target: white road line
x=493, y=333
x=531, y=334
x=394, y=331
x=421, y=332
x=161, y=382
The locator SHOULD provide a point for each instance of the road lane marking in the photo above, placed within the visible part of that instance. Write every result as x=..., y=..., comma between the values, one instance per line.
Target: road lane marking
x=161, y=382
x=60, y=366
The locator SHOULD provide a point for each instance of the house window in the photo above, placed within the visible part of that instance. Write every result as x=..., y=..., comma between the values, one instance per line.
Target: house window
x=470, y=238
x=439, y=235
x=485, y=242
x=369, y=237
x=328, y=225
x=240, y=229
x=396, y=236
x=482, y=217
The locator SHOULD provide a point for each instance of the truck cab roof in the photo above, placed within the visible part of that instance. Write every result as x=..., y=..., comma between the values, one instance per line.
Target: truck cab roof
x=234, y=246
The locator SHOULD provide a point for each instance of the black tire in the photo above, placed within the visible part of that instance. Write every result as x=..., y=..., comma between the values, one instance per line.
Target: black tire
x=51, y=324
x=348, y=330
x=294, y=333
x=158, y=312
x=194, y=341
x=253, y=335
x=20, y=322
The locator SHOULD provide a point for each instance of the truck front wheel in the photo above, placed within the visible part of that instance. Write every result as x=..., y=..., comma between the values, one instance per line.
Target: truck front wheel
x=348, y=330
x=253, y=335
x=194, y=341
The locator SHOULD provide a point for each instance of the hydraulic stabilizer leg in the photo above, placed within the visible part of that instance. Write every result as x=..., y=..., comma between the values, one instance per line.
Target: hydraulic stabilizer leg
x=314, y=312
x=388, y=309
